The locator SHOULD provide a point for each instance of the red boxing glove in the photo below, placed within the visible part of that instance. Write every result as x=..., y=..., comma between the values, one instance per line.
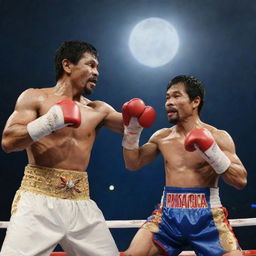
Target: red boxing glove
x=136, y=116
x=136, y=108
x=71, y=112
x=64, y=113
x=148, y=117
x=200, y=137
x=203, y=141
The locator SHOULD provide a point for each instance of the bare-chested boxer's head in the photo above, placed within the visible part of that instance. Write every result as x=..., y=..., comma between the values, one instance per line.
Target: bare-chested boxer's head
x=78, y=60
x=184, y=95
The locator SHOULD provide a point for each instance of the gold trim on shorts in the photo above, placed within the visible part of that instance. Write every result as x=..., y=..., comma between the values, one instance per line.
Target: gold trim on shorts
x=60, y=183
x=227, y=238
x=153, y=224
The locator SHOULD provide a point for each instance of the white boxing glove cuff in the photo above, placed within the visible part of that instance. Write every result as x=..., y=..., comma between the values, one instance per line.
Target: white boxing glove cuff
x=131, y=141
x=216, y=158
x=46, y=124
x=132, y=134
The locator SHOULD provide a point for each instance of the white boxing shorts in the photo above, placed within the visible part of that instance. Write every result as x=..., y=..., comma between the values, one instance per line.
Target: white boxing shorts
x=53, y=207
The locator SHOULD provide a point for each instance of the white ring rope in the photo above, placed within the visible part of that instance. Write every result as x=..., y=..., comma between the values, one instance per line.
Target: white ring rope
x=139, y=223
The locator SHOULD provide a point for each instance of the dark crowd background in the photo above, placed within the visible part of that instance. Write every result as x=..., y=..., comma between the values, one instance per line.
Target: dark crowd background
x=217, y=45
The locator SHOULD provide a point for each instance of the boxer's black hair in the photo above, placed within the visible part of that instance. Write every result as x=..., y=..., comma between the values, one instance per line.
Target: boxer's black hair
x=73, y=51
x=194, y=88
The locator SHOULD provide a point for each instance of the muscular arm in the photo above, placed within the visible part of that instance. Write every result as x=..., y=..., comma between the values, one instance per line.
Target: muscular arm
x=236, y=174
x=114, y=122
x=113, y=119
x=15, y=136
x=137, y=158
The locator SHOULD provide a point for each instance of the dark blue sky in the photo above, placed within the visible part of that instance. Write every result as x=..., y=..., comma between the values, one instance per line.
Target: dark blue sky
x=217, y=45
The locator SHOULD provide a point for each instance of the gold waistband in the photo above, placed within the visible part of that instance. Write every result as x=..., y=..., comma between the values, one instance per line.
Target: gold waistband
x=60, y=183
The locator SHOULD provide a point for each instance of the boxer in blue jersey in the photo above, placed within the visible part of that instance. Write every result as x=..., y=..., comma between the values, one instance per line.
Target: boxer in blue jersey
x=195, y=156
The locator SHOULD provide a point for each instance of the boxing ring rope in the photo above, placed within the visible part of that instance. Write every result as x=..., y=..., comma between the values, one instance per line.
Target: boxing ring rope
x=139, y=223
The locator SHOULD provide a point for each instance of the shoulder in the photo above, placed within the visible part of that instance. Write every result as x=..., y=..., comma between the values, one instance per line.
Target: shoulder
x=31, y=96
x=222, y=137
x=159, y=134
x=217, y=133
x=31, y=92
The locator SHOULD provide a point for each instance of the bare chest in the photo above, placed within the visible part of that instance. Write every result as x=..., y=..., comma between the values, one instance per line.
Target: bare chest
x=183, y=168
x=176, y=157
x=90, y=123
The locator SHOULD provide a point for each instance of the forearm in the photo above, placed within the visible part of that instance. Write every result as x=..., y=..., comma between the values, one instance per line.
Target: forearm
x=235, y=176
x=16, y=138
x=131, y=158
x=136, y=116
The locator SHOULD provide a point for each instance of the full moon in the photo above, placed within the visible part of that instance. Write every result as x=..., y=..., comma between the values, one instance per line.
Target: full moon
x=154, y=42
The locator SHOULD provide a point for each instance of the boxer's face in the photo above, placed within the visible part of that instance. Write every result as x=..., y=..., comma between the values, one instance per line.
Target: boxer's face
x=178, y=104
x=85, y=73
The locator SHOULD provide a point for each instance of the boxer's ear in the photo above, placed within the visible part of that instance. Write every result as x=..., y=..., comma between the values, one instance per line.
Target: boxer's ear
x=67, y=66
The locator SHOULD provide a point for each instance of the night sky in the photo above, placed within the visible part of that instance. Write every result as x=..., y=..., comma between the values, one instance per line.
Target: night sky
x=217, y=45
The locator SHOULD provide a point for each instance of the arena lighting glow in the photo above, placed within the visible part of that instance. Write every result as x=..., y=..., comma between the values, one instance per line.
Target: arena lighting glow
x=154, y=42
x=111, y=187
x=253, y=205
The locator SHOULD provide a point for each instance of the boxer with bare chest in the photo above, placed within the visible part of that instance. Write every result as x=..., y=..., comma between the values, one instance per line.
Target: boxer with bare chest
x=57, y=127
x=195, y=156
